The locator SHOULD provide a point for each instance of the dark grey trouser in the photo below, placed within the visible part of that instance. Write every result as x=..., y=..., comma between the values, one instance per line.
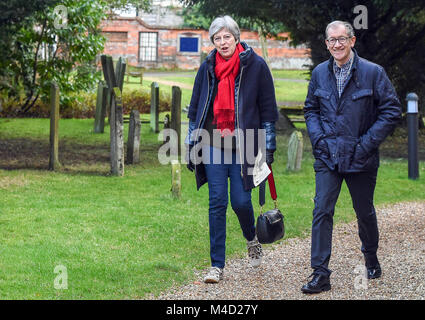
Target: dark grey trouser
x=328, y=186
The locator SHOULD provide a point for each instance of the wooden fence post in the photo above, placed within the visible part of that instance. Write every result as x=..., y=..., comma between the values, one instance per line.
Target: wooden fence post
x=176, y=187
x=54, y=163
x=176, y=108
x=117, y=141
x=101, y=103
x=115, y=81
x=154, y=107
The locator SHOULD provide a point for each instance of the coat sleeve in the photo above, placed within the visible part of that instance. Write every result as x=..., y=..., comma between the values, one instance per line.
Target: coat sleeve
x=266, y=95
x=312, y=113
x=389, y=113
x=270, y=135
x=196, y=92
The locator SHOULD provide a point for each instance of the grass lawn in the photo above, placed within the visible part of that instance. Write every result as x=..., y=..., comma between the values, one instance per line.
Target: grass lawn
x=291, y=74
x=127, y=237
x=290, y=91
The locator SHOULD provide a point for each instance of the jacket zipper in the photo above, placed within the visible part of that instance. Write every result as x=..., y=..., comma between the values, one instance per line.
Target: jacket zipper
x=237, y=114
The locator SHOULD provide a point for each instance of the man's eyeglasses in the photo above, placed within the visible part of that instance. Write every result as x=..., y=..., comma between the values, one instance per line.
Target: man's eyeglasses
x=226, y=38
x=341, y=40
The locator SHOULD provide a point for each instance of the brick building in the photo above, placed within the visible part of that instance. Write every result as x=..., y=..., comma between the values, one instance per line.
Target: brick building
x=155, y=46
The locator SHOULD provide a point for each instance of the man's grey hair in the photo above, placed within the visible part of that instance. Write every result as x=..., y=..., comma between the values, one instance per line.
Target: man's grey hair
x=224, y=22
x=347, y=25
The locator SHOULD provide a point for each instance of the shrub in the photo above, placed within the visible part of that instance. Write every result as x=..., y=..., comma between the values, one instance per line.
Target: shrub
x=83, y=105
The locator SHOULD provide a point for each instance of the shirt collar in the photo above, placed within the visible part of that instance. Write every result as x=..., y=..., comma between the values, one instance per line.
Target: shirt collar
x=346, y=66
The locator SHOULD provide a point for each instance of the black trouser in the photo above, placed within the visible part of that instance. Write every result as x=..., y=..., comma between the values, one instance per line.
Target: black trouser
x=328, y=186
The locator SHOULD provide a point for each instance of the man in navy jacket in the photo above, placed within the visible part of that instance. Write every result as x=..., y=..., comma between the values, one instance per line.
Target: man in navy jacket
x=351, y=107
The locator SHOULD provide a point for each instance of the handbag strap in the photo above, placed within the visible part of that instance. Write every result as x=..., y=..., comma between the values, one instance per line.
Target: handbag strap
x=262, y=193
x=272, y=187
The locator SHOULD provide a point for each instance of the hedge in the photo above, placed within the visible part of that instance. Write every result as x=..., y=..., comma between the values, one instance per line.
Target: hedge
x=84, y=105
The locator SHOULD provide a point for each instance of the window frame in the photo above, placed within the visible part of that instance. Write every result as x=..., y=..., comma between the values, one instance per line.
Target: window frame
x=140, y=46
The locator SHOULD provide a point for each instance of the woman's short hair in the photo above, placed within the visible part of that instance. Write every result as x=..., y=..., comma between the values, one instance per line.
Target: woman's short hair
x=347, y=25
x=224, y=22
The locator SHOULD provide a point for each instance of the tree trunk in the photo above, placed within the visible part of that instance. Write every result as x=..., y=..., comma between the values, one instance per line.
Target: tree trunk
x=263, y=42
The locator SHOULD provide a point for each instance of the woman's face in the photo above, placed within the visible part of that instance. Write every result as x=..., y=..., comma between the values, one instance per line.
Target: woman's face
x=225, y=43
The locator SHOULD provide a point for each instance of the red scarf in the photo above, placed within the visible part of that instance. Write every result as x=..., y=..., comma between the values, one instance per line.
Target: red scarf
x=224, y=103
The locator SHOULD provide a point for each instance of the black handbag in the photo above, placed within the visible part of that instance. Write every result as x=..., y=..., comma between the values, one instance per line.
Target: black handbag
x=270, y=225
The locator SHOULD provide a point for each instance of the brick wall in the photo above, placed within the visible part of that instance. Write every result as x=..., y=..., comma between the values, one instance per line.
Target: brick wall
x=123, y=40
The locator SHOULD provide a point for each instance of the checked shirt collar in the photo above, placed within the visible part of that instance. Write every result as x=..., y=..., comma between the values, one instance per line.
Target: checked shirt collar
x=342, y=73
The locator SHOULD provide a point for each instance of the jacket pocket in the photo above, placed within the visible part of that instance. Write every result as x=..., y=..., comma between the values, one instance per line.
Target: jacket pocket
x=321, y=150
x=361, y=94
x=362, y=161
x=322, y=94
x=359, y=156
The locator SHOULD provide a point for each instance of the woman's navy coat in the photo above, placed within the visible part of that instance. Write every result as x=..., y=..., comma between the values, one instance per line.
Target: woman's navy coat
x=255, y=102
x=355, y=124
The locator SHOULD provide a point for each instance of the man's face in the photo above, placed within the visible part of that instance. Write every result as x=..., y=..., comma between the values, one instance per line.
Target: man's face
x=340, y=51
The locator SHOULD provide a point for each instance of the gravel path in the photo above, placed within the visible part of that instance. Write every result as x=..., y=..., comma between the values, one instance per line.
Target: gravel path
x=286, y=266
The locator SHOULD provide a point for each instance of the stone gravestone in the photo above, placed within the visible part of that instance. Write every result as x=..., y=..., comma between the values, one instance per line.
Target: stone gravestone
x=154, y=107
x=133, y=142
x=295, y=151
x=54, y=123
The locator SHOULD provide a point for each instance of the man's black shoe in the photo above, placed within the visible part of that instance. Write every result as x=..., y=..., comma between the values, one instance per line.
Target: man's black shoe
x=318, y=284
x=374, y=272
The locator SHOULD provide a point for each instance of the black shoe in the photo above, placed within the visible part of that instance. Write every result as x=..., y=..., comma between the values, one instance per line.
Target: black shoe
x=318, y=284
x=374, y=272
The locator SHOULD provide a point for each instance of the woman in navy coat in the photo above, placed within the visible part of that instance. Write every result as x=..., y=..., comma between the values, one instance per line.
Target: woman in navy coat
x=231, y=117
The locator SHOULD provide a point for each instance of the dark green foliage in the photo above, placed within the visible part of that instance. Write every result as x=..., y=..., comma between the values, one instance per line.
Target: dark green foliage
x=30, y=28
x=395, y=37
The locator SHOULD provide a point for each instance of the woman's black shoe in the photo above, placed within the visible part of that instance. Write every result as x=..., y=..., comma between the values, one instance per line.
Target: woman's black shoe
x=318, y=284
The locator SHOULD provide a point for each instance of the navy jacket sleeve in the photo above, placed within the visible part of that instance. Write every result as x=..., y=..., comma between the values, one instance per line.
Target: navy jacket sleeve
x=196, y=92
x=267, y=97
x=389, y=112
x=268, y=107
x=312, y=113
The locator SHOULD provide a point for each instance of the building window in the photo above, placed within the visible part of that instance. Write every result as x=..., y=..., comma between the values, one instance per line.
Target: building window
x=148, y=46
x=189, y=43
